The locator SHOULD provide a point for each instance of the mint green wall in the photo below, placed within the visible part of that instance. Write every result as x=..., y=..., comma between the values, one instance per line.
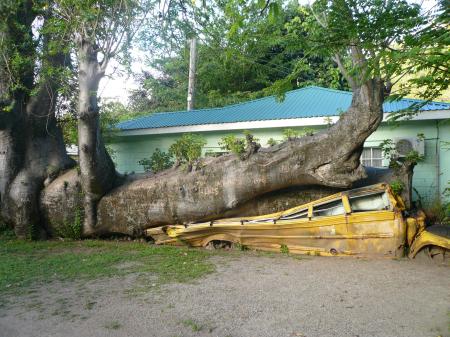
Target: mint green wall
x=425, y=179
x=131, y=149
x=444, y=145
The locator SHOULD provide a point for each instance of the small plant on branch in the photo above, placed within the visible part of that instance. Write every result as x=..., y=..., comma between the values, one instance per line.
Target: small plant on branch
x=187, y=150
x=159, y=161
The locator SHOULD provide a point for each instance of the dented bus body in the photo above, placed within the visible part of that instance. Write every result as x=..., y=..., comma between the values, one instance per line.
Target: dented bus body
x=367, y=221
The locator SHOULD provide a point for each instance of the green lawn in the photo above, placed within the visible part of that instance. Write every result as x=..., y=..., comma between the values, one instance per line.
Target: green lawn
x=26, y=263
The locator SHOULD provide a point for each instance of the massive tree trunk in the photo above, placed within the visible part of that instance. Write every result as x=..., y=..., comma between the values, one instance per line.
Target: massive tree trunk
x=31, y=147
x=329, y=158
x=97, y=169
x=33, y=156
x=37, y=158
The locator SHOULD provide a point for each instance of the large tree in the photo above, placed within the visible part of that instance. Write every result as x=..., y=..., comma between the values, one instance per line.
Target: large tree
x=31, y=148
x=100, y=31
x=253, y=54
x=358, y=35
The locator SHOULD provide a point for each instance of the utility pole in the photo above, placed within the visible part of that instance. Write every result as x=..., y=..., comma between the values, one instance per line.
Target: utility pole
x=191, y=85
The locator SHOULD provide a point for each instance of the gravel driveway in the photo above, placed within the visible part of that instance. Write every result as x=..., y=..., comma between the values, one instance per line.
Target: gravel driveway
x=249, y=296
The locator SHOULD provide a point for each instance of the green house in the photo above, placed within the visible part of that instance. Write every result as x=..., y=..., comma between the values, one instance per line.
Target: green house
x=311, y=107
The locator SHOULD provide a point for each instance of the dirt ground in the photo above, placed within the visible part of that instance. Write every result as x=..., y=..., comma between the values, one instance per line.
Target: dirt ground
x=248, y=296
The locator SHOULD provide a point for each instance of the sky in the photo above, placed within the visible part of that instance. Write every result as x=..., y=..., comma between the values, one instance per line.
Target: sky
x=116, y=86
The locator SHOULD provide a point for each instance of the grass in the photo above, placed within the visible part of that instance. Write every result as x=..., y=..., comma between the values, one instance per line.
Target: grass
x=113, y=325
x=27, y=263
x=196, y=327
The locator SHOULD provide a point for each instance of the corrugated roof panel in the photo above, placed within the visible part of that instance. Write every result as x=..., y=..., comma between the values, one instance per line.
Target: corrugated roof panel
x=306, y=102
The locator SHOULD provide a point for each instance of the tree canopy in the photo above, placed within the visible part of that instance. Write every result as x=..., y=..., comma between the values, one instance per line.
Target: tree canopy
x=242, y=54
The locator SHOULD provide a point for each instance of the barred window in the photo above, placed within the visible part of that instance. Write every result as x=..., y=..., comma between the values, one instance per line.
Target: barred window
x=372, y=156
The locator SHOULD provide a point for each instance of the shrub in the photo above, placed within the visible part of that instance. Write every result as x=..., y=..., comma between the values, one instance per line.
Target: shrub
x=6, y=232
x=397, y=187
x=74, y=229
x=238, y=145
x=307, y=132
x=272, y=142
x=437, y=213
x=284, y=249
x=159, y=161
x=187, y=149
x=233, y=144
x=146, y=164
x=289, y=134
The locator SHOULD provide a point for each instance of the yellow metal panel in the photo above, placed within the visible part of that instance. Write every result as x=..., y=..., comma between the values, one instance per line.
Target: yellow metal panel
x=426, y=238
x=346, y=203
x=359, y=233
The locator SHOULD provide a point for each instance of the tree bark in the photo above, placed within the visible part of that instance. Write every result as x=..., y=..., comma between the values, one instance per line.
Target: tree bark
x=33, y=155
x=32, y=151
x=97, y=169
x=43, y=157
x=329, y=158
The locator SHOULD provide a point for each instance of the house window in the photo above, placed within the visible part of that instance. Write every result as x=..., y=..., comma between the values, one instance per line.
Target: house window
x=372, y=156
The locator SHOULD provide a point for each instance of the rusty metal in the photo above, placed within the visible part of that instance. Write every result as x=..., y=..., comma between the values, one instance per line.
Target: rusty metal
x=366, y=221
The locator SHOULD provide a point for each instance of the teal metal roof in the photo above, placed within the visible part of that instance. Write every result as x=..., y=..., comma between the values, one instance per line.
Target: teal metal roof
x=305, y=102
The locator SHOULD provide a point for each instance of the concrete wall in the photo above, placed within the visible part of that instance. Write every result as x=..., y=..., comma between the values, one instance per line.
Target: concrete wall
x=429, y=176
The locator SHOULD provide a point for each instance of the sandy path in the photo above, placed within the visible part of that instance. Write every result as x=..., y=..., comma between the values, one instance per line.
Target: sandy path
x=249, y=296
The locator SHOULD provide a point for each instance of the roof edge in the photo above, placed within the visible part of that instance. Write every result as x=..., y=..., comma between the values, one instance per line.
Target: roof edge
x=263, y=124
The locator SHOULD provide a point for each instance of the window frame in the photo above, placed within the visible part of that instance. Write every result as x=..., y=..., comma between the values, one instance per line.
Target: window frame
x=362, y=195
x=371, y=159
x=311, y=209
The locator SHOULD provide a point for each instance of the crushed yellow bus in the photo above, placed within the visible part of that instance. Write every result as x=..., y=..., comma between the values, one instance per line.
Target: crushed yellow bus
x=365, y=221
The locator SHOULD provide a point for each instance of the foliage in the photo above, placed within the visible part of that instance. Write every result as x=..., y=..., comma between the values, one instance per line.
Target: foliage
x=6, y=233
x=73, y=229
x=437, y=212
x=26, y=263
x=383, y=40
x=113, y=325
x=187, y=149
x=18, y=52
x=307, y=132
x=237, y=145
x=241, y=45
x=233, y=144
x=389, y=152
x=397, y=187
x=159, y=161
x=109, y=117
x=370, y=28
x=284, y=249
x=290, y=134
x=110, y=25
x=196, y=327
x=240, y=246
x=388, y=149
x=425, y=55
x=272, y=142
